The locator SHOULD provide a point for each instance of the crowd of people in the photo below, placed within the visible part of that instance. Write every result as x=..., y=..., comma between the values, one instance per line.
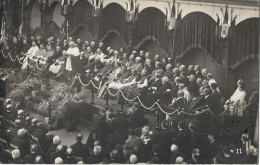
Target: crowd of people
x=116, y=138
x=125, y=138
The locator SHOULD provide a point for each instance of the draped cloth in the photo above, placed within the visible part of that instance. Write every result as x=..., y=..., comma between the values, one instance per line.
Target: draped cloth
x=197, y=30
x=239, y=96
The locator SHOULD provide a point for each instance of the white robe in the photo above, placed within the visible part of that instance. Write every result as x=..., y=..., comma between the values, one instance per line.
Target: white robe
x=239, y=95
x=30, y=53
x=71, y=52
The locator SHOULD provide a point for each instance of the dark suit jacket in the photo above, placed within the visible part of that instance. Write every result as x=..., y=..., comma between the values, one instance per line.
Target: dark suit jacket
x=182, y=140
x=93, y=159
x=193, y=88
x=22, y=144
x=214, y=102
x=29, y=159
x=198, y=75
x=16, y=161
x=180, y=102
x=79, y=149
x=40, y=135
x=217, y=97
x=137, y=118
x=70, y=161
x=197, y=102
x=132, y=142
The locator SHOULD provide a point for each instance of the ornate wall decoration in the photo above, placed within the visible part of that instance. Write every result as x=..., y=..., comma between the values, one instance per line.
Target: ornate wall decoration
x=131, y=11
x=175, y=16
x=224, y=29
x=97, y=8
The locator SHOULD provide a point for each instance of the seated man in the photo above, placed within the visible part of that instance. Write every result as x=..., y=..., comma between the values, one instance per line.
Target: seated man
x=150, y=97
x=124, y=74
x=137, y=65
x=41, y=52
x=135, y=89
x=30, y=53
x=49, y=53
x=59, y=65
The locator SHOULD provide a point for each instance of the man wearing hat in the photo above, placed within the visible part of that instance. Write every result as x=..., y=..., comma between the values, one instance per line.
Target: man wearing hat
x=79, y=149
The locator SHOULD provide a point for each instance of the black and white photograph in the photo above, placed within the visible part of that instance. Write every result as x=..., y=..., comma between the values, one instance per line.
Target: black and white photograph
x=129, y=81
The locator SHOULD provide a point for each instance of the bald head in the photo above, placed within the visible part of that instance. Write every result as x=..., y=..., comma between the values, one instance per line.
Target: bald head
x=165, y=80
x=16, y=154
x=192, y=78
x=56, y=140
x=133, y=159
x=58, y=160
x=179, y=160
x=206, y=91
x=174, y=148
x=21, y=132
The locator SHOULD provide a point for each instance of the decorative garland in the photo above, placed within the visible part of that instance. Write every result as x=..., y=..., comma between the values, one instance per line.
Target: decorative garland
x=93, y=84
x=17, y=58
x=25, y=80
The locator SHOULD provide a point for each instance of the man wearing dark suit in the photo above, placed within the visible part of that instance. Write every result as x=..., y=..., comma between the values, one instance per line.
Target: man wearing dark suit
x=214, y=103
x=69, y=159
x=137, y=118
x=211, y=149
x=79, y=149
x=197, y=71
x=184, y=78
x=191, y=70
x=42, y=139
x=133, y=141
x=96, y=157
x=58, y=153
x=193, y=87
x=14, y=130
x=165, y=141
x=29, y=159
x=22, y=143
x=151, y=94
x=16, y=157
x=39, y=40
x=216, y=97
x=175, y=87
x=182, y=140
x=119, y=133
x=197, y=101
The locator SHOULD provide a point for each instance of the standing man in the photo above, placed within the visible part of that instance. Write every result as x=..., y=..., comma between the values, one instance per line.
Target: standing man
x=73, y=62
